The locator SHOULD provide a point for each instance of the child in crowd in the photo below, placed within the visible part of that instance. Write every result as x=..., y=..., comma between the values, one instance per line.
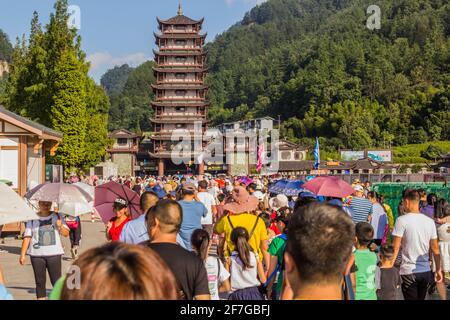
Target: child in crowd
x=245, y=267
x=366, y=262
x=387, y=277
x=218, y=276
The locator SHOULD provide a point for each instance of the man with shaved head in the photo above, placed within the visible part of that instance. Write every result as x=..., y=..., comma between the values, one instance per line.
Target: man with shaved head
x=163, y=223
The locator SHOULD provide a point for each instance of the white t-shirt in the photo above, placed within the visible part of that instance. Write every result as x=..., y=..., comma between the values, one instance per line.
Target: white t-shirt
x=240, y=278
x=208, y=201
x=416, y=231
x=216, y=275
x=45, y=239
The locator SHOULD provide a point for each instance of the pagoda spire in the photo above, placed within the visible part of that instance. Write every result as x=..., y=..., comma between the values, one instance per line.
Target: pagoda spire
x=180, y=9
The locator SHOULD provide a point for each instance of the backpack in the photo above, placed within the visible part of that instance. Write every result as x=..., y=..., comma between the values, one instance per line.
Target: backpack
x=249, y=235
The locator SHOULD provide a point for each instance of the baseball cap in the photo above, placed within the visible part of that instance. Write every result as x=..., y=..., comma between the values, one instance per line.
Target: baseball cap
x=359, y=188
x=120, y=203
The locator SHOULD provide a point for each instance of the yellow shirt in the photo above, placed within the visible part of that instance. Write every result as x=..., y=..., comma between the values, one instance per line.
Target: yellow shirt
x=246, y=221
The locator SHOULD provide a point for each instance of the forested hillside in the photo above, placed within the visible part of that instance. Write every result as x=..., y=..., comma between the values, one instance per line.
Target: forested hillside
x=316, y=64
x=129, y=90
x=5, y=47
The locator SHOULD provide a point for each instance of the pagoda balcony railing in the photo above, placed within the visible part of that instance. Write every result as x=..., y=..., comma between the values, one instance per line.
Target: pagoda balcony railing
x=177, y=115
x=178, y=64
x=178, y=119
x=180, y=100
x=188, y=48
x=179, y=81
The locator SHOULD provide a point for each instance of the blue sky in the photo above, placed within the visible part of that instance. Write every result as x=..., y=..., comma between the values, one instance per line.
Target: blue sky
x=115, y=32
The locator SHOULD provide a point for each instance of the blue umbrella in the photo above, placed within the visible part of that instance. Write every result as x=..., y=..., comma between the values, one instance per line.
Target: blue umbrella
x=277, y=187
x=293, y=188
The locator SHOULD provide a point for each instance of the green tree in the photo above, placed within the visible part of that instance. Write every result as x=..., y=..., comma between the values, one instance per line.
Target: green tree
x=68, y=111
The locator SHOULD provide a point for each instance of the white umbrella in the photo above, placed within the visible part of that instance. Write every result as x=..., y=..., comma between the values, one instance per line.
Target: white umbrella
x=86, y=187
x=13, y=208
x=75, y=209
x=59, y=193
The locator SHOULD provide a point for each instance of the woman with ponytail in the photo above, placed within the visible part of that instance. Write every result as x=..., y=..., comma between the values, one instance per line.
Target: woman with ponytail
x=218, y=276
x=246, y=269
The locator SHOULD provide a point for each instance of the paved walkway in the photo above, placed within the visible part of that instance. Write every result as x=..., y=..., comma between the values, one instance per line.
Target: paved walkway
x=20, y=279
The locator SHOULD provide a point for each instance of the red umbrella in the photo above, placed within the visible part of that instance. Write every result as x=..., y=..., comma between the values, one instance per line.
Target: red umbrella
x=329, y=187
x=107, y=193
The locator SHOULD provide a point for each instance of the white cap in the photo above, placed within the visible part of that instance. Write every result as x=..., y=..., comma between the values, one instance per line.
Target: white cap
x=359, y=188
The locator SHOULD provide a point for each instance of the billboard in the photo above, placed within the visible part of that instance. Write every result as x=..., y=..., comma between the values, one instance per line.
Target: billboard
x=350, y=155
x=380, y=155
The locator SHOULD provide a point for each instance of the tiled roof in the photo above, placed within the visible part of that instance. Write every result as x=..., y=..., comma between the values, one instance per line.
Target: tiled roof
x=180, y=20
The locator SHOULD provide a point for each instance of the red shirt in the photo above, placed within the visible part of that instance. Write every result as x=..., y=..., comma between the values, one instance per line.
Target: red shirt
x=273, y=225
x=115, y=231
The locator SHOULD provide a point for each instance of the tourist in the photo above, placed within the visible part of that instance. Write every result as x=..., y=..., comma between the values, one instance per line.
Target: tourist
x=239, y=213
x=379, y=219
x=319, y=247
x=220, y=204
x=74, y=224
x=423, y=198
x=276, y=251
x=267, y=219
x=246, y=269
x=416, y=234
x=429, y=208
x=389, y=213
x=387, y=277
x=210, y=203
x=366, y=262
x=135, y=231
x=163, y=224
x=443, y=231
x=193, y=212
x=361, y=207
x=42, y=242
x=218, y=276
x=4, y=294
x=118, y=271
x=116, y=224
x=304, y=198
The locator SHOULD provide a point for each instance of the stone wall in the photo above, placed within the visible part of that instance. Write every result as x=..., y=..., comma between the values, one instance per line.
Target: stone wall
x=124, y=163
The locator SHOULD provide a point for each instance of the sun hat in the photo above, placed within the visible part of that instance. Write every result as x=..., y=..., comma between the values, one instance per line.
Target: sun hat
x=242, y=201
x=278, y=202
x=189, y=186
x=258, y=194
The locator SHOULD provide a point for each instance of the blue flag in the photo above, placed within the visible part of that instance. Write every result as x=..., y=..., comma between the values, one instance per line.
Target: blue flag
x=317, y=155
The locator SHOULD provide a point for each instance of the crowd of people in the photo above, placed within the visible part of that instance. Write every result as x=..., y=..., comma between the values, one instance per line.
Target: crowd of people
x=232, y=239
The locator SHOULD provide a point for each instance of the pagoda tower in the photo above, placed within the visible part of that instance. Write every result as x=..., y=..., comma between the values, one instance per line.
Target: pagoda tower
x=180, y=92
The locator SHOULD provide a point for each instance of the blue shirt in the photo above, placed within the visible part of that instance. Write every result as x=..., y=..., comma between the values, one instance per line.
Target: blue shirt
x=135, y=231
x=193, y=212
x=361, y=209
x=4, y=294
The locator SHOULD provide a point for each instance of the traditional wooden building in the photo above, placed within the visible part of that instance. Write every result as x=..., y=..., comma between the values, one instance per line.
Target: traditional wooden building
x=23, y=144
x=180, y=93
x=124, y=151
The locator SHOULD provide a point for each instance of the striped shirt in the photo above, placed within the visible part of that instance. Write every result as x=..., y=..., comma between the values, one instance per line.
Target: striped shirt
x=361, y=209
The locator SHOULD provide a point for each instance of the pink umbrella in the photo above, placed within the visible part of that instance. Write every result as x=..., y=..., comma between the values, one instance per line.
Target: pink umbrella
x=107, y=193
x=329, y=187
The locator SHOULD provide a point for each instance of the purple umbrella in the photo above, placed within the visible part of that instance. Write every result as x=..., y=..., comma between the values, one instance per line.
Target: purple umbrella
x=107, y=193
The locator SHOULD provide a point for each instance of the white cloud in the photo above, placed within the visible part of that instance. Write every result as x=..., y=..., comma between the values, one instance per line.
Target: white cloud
x=230, y=2
x=102, y=61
